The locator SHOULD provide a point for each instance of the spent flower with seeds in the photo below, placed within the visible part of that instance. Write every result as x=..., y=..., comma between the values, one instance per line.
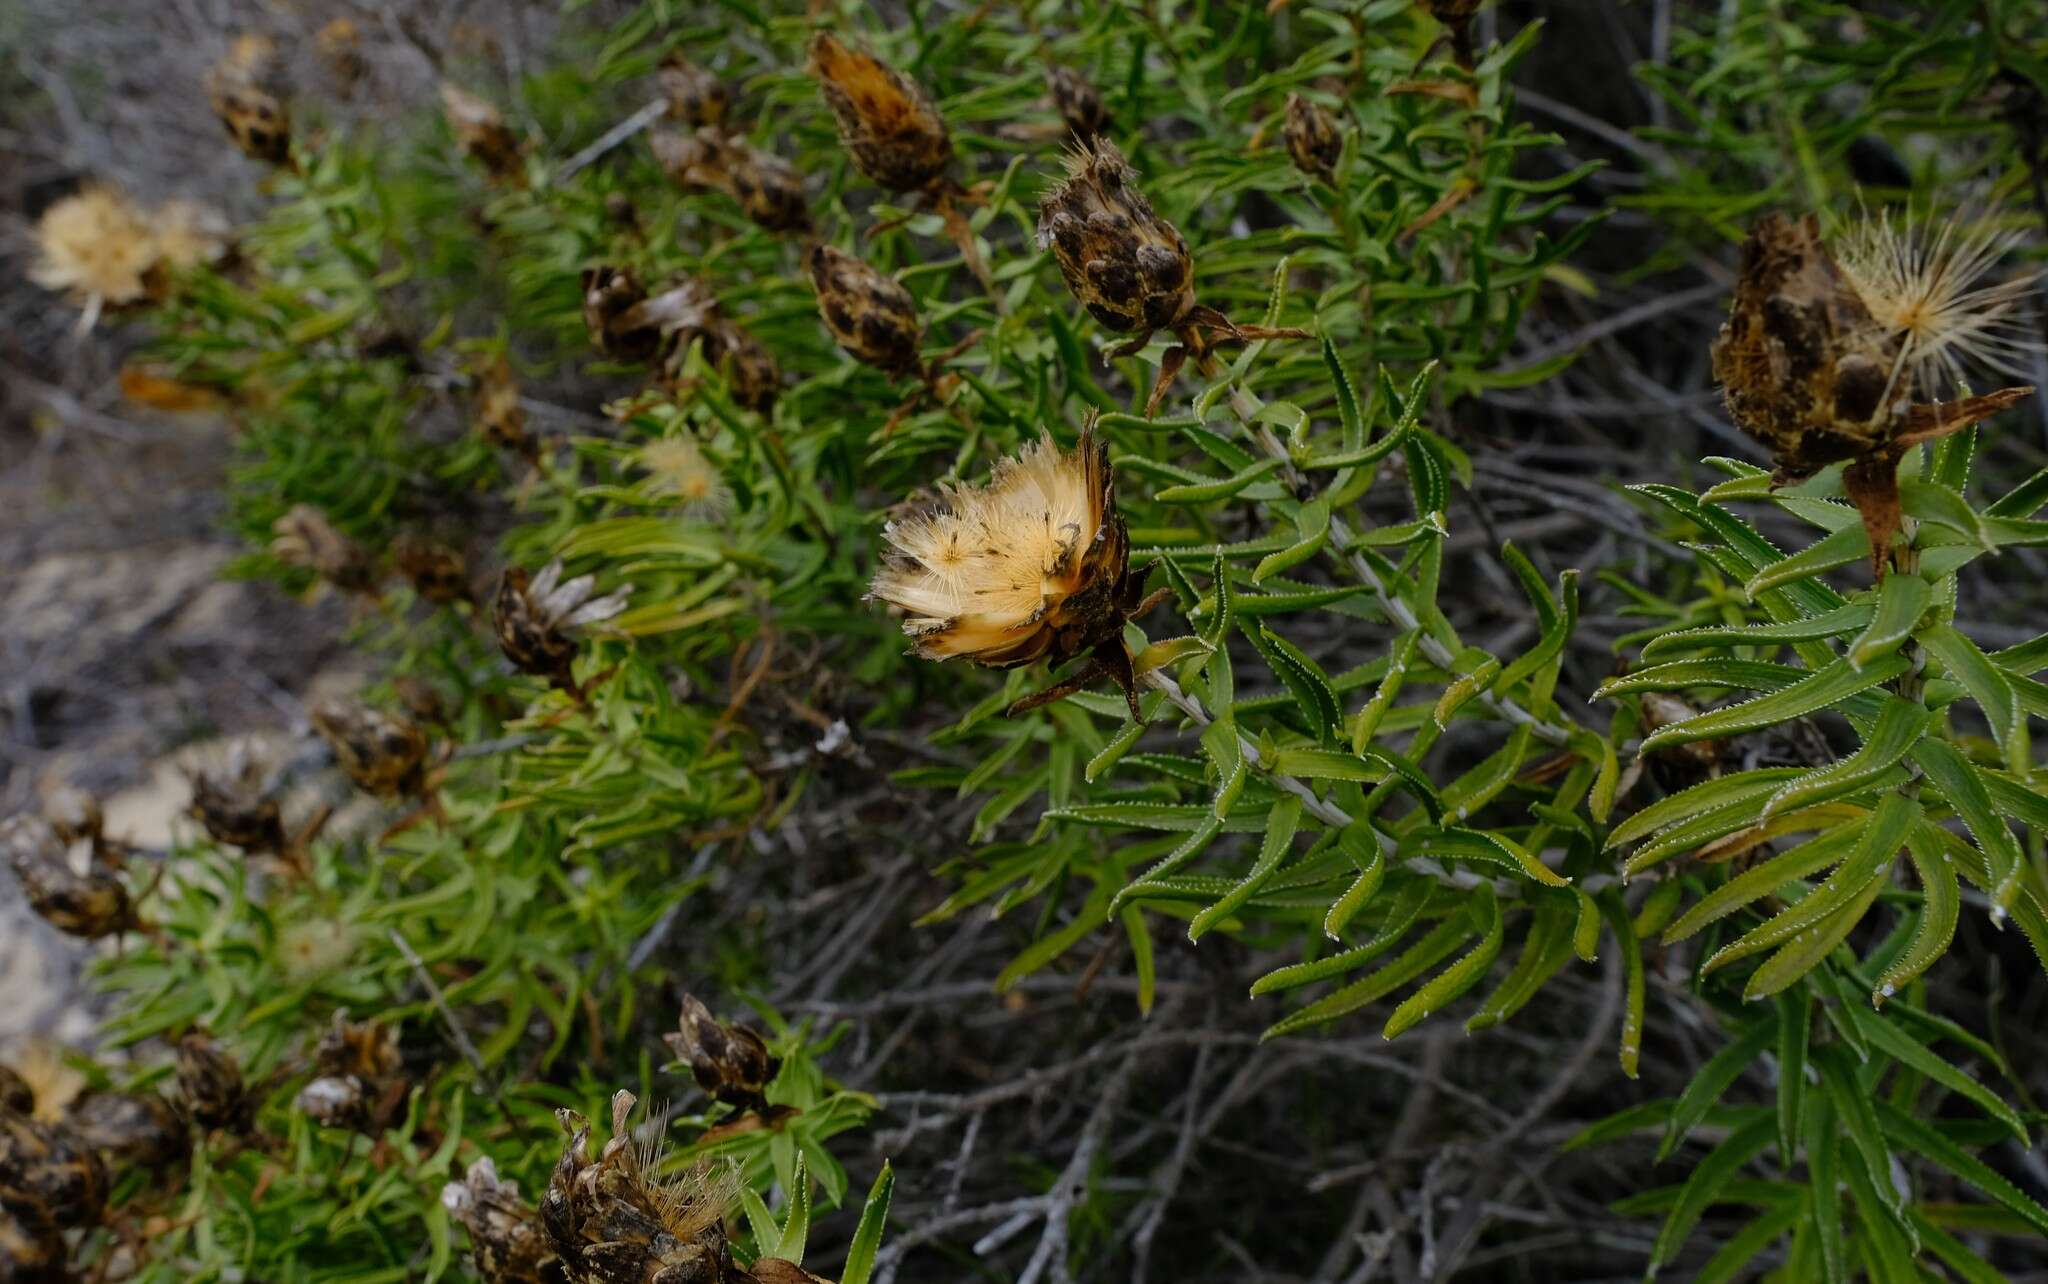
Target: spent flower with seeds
x=482, y=134
x=611, y=297
x=216, y=1096
x=888, y=126
x=97, y=248
x=506, y=1243
x=1034, y=564
x=436, y=572
x=381, y=753
x=304, y=537
x=768, y=189
x=92, y=905
x=870, y=314
x=138, y=1129
x=340, y=46
x=731, y=1063
x=695, y=96
x=245, y=89
x=1128, y=266
x=40, y=1083
x=500, y=419
x=44, y=1167
x=232, y=803
x=358, y=1079
x=537, y=618
x=1312, y=138
x=189, y=235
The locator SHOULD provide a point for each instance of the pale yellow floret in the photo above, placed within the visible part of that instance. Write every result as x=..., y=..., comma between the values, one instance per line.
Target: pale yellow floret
x=680, y=468
x=1927, y=285
x=983, y=566
x=95, y=246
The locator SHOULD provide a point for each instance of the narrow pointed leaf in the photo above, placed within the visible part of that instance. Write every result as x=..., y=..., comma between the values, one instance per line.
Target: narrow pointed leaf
x=1818, y=690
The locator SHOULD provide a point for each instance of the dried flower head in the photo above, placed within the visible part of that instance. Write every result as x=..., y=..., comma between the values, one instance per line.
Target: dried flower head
x=304, y=537
x=17, y=1095
x=537, y=618
x=695, y=96
x=1808, y=369
x=436, y=571
x=94, y=904
x=1033, y=564
x=130, y=1129
x=506, y=1243
x=45, y=1168
x=1928, y=288
x=619, y=1220
x=610, y=297
x=97, y=248
x=482, y=134
x=340, y=46
x=383, y=754
x=500, y=419
x=767, y=187
x=731, y=1063
x=32, y=1247
x=40, y=1073
x=245, y=89
x=1078, y=103
x=889, y=127
x=1129, y=267
x=211, y=1081
x=678, y=466
x=189, y=235
x=359, y=1077
x=687, y=314
x=870, y=315
x=232, y=803
x=75, y=814
x=1312, y=138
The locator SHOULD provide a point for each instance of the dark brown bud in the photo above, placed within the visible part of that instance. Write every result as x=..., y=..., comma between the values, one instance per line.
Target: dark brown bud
x=211, y=1082
x=871, y=315
x=1312, y=138
x=1078, y=103
x=731, y=1063
x=506, y=1242
x=304, y=537
x=422, y=702
x=233, y=806
x=482, y=134
x=767, y=187
x=695, y=96
x=92, y=905
x=1129, y=267
x=244, y=89
x=500, y=419
x=383, y=754
x=437, y=572
x=44, y=1167
x=889, y=127
x=536, y=618
x=130, y=1129
x=610, y=296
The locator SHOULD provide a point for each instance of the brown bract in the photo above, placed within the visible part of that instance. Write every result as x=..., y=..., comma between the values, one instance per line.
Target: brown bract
x=616, y=1220
x=731, y=1063
x=870, y=314
x=1077, y=102
x=694, y=95
x=537, y=616
x=130, y=1129
x=92, y=905
x=232, y=805
x=436, y=571
x=359, y=1076
x=889, y=127
x=381, y=753
x=480, y=130
x=1129, y=267
x=1813, y=376
x=610, y=297
x=45, y=1168
x=1312, y=138
x=15, y=1093
x=304, y=537
x=31, y=1246
x=506, y=1242
x=244, y=89
x=1035, y=564
x=768, y=189
x=211, y=1081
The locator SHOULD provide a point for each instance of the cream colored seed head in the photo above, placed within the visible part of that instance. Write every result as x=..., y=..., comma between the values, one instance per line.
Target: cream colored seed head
x=95, y=246
x=680, y=468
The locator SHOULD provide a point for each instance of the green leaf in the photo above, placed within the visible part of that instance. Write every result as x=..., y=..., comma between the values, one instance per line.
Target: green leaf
x=1844, y=619
x=1891, y=1038
x=1964, y=787
x=1459, y=977
x=1303, y=677
x=1823, y=1151
x=1762, y=879
x=1220, y=741
x=796, y=1227
x=1407, y=909
x=867, y=1237
x=1141, y=956
x=1313, y=522
x=1358, y=841
x=1547, y=948
x=1208, y=492
x=1988, y=685
x=1704, y=1186
x=1329, y=764
x=1683, y=675
x=1412, y=962
x=1941, y=900
x=1374, y=711
x=1755, y=784
x=1852, y=1106
x=1795, y=1028
x=1480, y=845
x=1900, y=726
x=1901, y=600
x=1926, y=1140
x=1196, y=843
x=1845, y=546
x=1710, y=1081
x=1818, y=690
x=1281, y=824
x=1943, y=506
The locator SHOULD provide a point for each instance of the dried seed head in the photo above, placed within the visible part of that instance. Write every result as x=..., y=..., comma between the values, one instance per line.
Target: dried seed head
x=695, y=96
x=500, y=419
x=618, y=1220
x=1312, y=138
x=610, y=296
x=506, y=1242
x=231, y=802
x=480, y=130
x=767, y=187
x=1078, y=103
x=383, y=754
x=359, y=1073
x=678, y=466
x=731, y=1063
x=92, y=905
x=211, y=1082
x=31, y=1246
x=366, y=1049
x=97, y=248
x=245, y=90
x=687, y=314
x=1129, y=267
x=889, y=127
x=340, y=45
x=130, y=1129
x=304, y=537
x=871, y=315
x=537, y=619
x=45, y=1168
x=16, y=1096
x=189, y=235
x=437, y=572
